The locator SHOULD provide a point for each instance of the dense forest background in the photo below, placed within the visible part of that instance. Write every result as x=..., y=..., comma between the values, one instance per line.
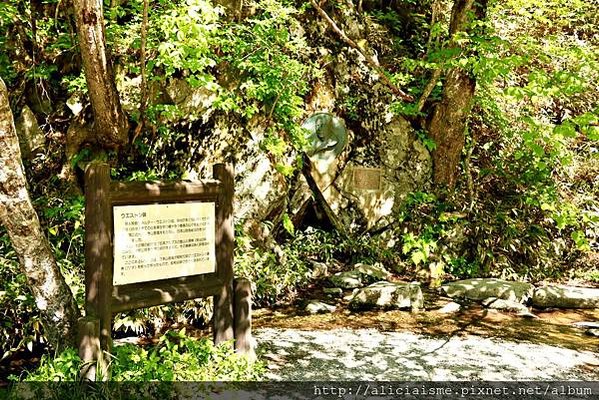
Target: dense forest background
x=482, y=116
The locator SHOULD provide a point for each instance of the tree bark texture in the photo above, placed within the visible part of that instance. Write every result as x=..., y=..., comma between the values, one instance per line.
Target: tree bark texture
x=52, y=295
x=110, y=124
x=449, y=118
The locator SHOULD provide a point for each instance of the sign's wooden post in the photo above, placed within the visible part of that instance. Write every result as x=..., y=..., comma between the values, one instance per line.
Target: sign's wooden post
x=97, y=324
x=223, y=302
x=243, y=317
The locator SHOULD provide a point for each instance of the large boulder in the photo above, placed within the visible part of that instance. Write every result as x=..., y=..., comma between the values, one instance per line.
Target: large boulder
x=565, y=297
x=367, y=183
x=479, y=289
x=260, y=190
x=387, y=295
x=196, y=101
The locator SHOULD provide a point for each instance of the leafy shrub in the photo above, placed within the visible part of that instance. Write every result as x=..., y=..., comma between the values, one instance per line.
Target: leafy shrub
x=64, y=367
x=64, y=220
x=20, y=325
x=274, y=276
x=151, y=320
x=176, y=357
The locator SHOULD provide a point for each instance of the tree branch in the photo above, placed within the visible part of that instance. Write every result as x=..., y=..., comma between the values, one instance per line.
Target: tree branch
x=459, y=18
x=144, y=85
x=373, y=64
x=429, y=88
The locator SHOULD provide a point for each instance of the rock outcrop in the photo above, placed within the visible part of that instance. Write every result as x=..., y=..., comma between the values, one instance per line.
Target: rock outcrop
x=346, y=280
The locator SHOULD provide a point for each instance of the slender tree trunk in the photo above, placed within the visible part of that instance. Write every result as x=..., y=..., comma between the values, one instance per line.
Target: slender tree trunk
x=111, y=125
x=52, y=295
x=448, y=125
x=448, y=121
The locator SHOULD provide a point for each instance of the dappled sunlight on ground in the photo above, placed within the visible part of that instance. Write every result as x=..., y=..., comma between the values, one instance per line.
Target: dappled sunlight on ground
x=472, y=344
x=367, y=354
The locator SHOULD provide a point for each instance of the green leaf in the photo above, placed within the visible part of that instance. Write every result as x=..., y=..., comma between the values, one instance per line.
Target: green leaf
x=567, y=129
x=581, y=241
x=593, y=132
x=418, y=256
x=288, y=224
x=547, y=207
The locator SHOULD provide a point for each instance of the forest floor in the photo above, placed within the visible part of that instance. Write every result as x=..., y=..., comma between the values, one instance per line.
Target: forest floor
x=472, y=344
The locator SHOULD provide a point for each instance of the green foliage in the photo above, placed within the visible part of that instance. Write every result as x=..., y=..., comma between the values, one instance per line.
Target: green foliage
x=20, y=326
x=367, y=248
x=419, y=247
x=426, y=140
x=183, y=34
x=176, y=357
x=269, y=56
x=535, y=128
x=275, y=275
x=63, y=367
x=64, y=220
x=9, y=16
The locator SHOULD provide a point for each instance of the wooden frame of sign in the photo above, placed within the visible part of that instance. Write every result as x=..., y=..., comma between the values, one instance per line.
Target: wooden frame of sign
x=106, y=294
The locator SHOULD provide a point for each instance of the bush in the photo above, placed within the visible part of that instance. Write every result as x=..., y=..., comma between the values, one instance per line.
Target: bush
x=274, y=276
x=176, y=357
x=20, y=325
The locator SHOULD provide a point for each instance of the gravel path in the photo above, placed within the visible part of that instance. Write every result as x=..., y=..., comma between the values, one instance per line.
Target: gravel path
x=365, y=354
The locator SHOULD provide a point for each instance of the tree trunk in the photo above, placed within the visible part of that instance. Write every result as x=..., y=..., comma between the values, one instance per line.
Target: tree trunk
x=111, y=125
x=448, y=121
x=448, y=125
x=52, y=295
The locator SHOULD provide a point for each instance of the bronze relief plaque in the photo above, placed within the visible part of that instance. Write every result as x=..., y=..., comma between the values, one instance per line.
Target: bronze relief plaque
x=367, y=178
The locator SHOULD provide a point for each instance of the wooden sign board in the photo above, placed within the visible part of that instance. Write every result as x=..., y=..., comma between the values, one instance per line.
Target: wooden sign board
x=163, y=241
x=150, y=243
x=367, y=178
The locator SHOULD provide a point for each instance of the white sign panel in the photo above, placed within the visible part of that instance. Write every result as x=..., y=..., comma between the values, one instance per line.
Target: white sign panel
x=161, y=241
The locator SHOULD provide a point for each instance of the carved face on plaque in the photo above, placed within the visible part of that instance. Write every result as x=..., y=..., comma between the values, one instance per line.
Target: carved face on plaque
x=327, y=135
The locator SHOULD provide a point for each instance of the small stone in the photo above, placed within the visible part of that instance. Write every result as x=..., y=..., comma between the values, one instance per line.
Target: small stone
x=346, y=280
x=504, y=305
x=372, y=273
x=74, y=104
x=333, y=292
x=592, y=332
x=527, y=314
x=450, y=308
x=388, y=295
x=317, y=307
x=319, y=270
x=586, y=324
